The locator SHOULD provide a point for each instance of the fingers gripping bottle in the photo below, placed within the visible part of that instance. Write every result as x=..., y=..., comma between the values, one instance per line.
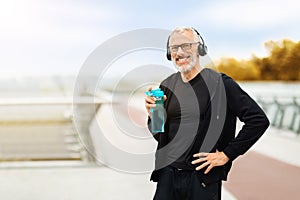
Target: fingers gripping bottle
x=158, y=112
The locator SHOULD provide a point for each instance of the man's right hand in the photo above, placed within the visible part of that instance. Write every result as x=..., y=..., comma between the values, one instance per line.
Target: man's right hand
x=150, y=102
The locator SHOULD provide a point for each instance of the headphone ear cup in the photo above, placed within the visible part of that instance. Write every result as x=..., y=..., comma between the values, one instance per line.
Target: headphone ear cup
x=202, y=49
x=168, y=54
x=168, y=50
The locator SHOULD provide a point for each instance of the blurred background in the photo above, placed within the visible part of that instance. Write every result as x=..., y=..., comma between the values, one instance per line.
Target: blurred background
x=46, y=154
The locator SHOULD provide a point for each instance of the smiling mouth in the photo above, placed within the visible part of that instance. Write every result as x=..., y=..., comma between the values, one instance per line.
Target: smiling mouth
x=182, y=60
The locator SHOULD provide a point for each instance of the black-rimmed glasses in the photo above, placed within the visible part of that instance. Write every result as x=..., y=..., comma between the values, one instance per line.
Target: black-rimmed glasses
x=184, y=46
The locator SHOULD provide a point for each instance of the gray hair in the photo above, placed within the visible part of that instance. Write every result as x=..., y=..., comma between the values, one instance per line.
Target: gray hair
x=181, y=29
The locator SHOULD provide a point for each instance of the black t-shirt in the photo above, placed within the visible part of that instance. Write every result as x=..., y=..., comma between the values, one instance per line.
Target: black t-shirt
x=216, y=112
x=187, y=108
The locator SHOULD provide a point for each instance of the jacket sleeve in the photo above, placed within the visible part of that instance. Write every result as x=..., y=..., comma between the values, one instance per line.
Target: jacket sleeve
x=249, y=112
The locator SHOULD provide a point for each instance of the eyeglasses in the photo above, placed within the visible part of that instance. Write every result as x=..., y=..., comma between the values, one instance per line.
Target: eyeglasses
x=184, y=47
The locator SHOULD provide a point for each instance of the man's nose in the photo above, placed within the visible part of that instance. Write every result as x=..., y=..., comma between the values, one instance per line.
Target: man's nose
x=180, y=51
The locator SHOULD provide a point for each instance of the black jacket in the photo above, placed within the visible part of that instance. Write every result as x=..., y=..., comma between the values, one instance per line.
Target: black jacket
x=228, y=101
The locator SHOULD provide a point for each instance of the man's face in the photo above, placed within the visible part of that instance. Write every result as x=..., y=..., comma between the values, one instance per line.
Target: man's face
x=184, y=52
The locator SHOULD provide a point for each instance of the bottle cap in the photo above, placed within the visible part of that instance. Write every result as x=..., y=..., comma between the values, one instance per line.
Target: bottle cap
x=158, y=93
x=155, y=93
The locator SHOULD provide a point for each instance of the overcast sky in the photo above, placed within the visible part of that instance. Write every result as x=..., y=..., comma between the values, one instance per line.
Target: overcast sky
x=56, y=36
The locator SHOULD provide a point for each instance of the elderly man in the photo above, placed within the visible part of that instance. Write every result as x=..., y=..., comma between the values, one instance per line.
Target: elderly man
x=196, y=149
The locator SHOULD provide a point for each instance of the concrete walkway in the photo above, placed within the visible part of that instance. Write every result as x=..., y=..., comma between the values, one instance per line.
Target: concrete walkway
x=95, y=182
x=75, y=183
x=280, y=145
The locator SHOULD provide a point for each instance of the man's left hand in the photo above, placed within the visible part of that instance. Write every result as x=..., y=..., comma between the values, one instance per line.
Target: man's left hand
x=210, y=159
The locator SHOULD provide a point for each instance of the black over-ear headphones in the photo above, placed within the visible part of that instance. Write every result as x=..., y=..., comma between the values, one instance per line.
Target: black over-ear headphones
x=202, y=48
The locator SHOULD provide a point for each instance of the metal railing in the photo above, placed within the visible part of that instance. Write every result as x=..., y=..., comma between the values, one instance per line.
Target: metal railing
x=283, y=112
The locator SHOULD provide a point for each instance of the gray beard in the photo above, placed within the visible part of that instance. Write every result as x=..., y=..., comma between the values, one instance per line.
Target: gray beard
x=187, y=68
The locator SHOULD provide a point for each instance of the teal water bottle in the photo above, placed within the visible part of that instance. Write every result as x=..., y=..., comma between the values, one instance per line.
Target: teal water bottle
x=158, y=112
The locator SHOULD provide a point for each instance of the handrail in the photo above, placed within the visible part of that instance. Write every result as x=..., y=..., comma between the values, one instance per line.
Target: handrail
x=51, y=101
x=282, y=104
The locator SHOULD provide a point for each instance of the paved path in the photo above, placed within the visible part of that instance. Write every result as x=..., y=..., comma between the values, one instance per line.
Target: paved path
x=75, y=183
x=271, y=170
x=255, y=176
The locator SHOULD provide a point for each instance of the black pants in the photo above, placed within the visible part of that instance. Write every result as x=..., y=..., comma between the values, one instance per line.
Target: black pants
x=174, y=184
